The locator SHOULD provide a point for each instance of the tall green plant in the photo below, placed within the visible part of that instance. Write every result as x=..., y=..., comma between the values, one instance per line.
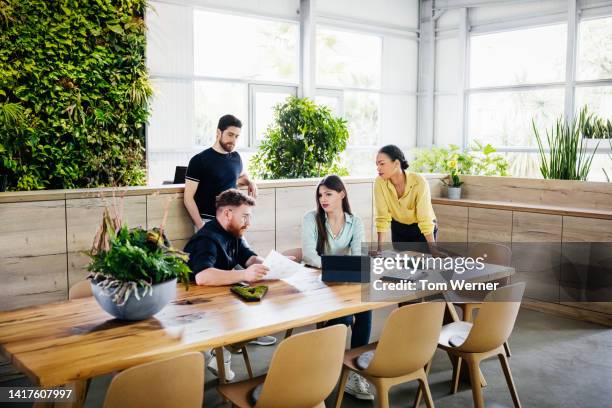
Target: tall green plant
x=594, y=127
x=74, y=93
x=305, y=140
x=568, y=157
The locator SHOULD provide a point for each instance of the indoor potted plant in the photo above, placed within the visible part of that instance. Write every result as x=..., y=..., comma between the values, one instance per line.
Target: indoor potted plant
x=454, y=183
x=134, y=272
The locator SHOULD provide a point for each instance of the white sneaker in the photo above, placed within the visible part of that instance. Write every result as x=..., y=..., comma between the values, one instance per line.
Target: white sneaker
x=264, y=341
x=227, y=359
x=358, y=387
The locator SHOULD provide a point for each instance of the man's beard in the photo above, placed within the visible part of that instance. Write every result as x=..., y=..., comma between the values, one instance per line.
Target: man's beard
x=226, y=146
x=236, y=231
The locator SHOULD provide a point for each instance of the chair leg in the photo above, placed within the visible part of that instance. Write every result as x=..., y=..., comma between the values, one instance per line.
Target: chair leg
x=419, y=394
x=382, y=392
x=288, y=333
x=507, y=349
x=247, y=361
x=343, y=379
x=476, y=386
x=424, y=385
x=456, y=375
x=509, y=380
x=220, y=365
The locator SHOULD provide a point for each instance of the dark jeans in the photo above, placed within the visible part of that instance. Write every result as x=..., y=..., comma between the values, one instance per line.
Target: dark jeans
x=404, y=236
x=360, y=330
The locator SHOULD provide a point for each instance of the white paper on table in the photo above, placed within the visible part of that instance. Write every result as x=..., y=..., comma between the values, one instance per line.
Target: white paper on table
x=280, y=266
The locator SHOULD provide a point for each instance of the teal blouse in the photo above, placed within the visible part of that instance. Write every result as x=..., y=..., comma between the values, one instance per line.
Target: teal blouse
x=347, y=242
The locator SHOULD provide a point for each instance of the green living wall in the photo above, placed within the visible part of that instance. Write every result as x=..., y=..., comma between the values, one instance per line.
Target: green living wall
x=74, y=93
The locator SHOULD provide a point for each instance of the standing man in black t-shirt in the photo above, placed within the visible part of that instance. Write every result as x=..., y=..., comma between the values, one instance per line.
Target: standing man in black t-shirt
x=215, y=170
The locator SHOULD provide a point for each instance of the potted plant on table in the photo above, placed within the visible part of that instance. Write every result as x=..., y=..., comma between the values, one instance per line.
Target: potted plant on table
x=134, y=272
x=454, y=183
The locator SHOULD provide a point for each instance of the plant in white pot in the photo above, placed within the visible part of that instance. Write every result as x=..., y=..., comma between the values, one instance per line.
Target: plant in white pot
x=453, y=183
x=134, y=272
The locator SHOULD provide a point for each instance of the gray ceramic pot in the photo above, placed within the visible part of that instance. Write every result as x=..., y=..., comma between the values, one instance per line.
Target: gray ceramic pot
x=135, y=309
x=454, y=193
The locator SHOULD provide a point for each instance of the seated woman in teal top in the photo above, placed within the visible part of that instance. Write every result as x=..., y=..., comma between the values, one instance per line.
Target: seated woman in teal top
x=332, y=229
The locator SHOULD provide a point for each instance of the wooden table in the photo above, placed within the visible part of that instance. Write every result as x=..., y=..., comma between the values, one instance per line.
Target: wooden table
x=64, y=342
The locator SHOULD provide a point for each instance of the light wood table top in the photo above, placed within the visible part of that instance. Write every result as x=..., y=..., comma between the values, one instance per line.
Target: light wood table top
x=58, y=343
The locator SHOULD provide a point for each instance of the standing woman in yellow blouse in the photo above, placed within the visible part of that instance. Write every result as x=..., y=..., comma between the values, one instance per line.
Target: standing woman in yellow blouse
x=403, y=201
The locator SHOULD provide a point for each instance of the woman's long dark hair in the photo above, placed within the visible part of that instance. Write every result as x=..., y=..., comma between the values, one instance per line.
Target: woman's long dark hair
x=332, y=182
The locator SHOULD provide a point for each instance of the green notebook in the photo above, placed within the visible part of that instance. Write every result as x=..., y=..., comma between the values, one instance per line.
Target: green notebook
x=250, y=293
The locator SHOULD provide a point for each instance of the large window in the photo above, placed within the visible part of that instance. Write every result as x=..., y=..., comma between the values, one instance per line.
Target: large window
x=351, y=63
x=370, y=80
x=515, y=77
x=595, y=49
x=206, y=61
x=528, y=56
x=205, y=64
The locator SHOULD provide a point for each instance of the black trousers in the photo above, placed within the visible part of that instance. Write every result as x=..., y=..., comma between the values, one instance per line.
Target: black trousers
x=408, y=237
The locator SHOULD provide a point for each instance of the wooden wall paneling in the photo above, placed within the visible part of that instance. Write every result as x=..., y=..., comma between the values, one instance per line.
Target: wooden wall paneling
x=361, y=198
x=560, y=193
x=488, y=225
x=536, y=254
x=84, y=216
x=291, y=204
x=452, y=223
x=261, y=235
x=178, y=223
x=33, y=256
x=586, y=270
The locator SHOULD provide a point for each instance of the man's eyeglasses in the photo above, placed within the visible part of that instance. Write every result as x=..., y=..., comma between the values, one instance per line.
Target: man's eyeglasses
x=244, y=217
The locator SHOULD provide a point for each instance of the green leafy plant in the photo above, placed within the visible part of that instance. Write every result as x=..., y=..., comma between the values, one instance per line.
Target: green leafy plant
x=594, y=127
x=74, y=93
x=454, y=180
x=305, y=140
x=567, y=157
x=128, y=261
x=479, y=159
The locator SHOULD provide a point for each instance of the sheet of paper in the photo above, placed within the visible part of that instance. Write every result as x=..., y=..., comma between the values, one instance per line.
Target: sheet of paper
x=280, y=266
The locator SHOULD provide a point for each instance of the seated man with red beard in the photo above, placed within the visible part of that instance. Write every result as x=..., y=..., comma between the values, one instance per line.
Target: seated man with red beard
x=218, y=249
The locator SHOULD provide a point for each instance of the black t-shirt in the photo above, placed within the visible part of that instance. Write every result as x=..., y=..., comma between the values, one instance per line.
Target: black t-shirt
x=214, y=247
x=215, y=172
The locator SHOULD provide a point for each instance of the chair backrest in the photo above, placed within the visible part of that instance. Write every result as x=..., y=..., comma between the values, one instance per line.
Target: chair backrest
x=495, y=320
x=497, y=254
x=296, y=252
x=304, y=369
x=408, y=340
x=81, y=289
x=175, y=382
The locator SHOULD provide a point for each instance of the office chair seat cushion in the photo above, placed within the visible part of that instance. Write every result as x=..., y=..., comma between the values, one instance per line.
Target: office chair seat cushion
x=364, y=359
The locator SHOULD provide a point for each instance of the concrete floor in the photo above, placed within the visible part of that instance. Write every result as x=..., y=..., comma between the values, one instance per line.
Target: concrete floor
x=556, y=362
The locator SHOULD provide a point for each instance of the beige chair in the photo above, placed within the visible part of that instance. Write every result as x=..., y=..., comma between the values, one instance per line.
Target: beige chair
x=497, y=254
x=79, y=290
x=407, y=343
x=484, y=338
x=175, y=382
x=295, y=379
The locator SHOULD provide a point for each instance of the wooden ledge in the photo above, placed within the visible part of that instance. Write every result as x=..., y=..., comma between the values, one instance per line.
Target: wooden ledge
x=525, y=207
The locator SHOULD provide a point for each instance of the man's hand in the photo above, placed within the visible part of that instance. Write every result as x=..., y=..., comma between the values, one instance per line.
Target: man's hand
x=255, y=272
x=252, y=189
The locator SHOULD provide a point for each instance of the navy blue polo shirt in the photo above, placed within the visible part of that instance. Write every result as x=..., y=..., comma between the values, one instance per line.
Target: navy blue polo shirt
x=213, y=247
x=215, y=172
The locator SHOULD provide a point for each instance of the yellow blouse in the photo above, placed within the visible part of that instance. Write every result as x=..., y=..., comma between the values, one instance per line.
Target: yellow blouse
x=412, y=207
